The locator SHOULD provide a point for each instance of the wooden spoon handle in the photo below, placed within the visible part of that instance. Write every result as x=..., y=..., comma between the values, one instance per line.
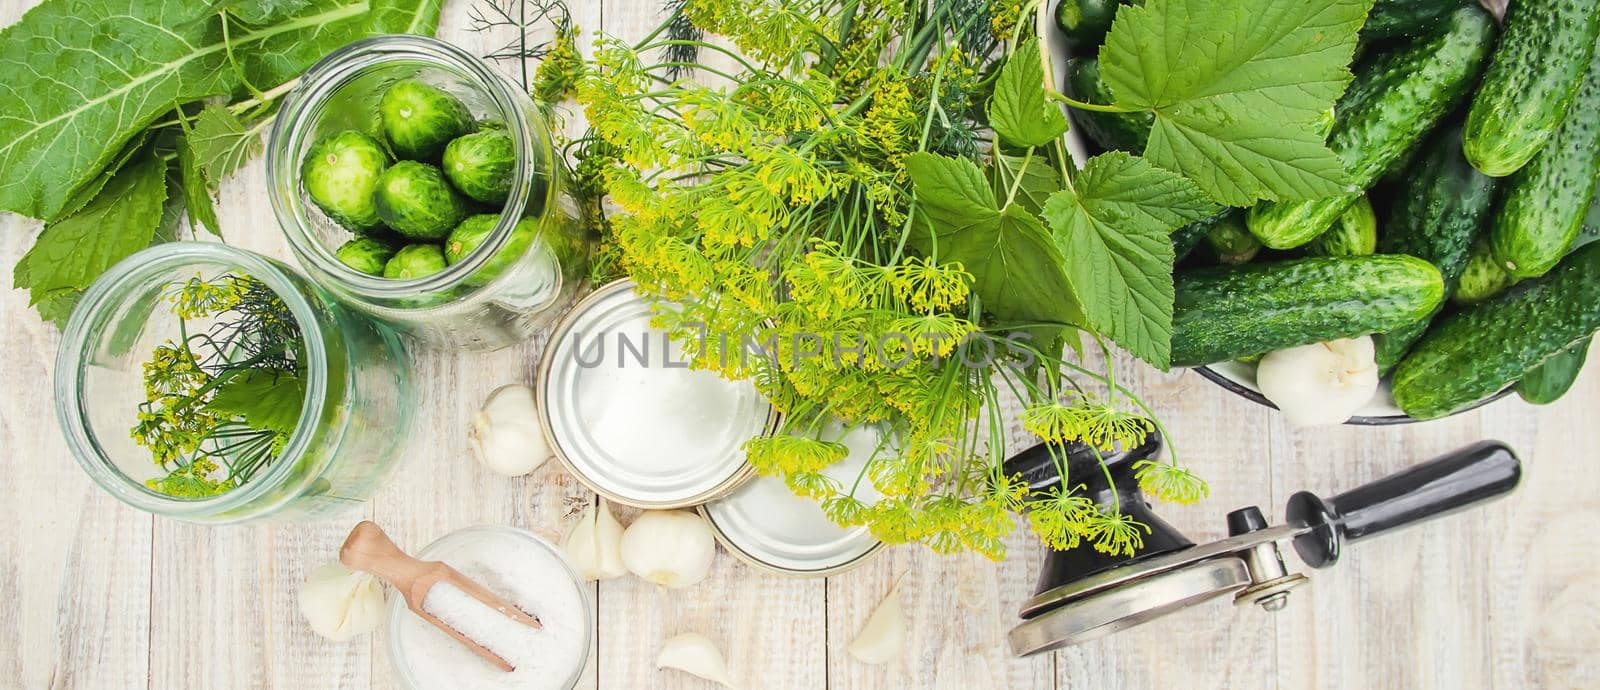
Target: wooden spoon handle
x=369, y=550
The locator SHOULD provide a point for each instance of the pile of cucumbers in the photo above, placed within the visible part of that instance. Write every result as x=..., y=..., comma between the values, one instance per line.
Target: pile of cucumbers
x=424, y=193
x=1466, y=253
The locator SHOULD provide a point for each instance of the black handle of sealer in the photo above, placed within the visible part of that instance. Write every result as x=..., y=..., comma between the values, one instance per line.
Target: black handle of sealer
x=1451, y=482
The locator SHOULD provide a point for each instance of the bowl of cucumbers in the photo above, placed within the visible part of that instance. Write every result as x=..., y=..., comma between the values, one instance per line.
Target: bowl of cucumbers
x=1458, y=267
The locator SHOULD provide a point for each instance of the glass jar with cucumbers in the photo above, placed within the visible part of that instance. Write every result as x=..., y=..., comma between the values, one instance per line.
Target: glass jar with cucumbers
x=209, y=384
x=421, y=186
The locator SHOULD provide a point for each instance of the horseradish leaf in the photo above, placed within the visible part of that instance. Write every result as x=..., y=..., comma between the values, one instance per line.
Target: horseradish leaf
x=119, y=221
x=1112, y=226
x=1236, y=87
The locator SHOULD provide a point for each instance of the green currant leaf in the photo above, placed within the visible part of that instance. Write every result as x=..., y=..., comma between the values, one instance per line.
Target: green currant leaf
x=196, y=189
x=266, y=399
x=1236, y=87
x=221, y=144
x=1019, y=111
x=1112, y=227
x=1039, y=180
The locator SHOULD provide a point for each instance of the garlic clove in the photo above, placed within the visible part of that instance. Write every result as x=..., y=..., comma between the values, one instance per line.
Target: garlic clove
x=505, y=434
x=1321, y=383
x=340, y=603
x=694, y=653
x=594, y=544
x=672, y=548
x=884, y=634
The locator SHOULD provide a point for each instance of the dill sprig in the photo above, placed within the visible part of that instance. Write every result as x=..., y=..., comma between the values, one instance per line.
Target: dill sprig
x=207, y=440
x=522, y=18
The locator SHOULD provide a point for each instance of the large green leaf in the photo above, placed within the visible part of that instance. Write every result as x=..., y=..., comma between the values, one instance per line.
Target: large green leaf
x=80, y=78
x=1112, y=227
x=1017, y=270
x=1237, y=87
x=1019, y=112
x=119, y=221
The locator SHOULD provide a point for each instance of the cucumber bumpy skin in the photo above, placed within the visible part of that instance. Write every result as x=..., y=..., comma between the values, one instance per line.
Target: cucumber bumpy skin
x=1355, y=233
x=1440, y=208
x=481, y=165
x=1232, y=312
x=1531, y=82
x=1482, y=349
x=418, y=119
x=340, y=173
x=365, y=254
x=416, y=200
x=1544, y=203
x=1394, y=102
x=1112, y=131
x=1546, y=383
x=414, y=261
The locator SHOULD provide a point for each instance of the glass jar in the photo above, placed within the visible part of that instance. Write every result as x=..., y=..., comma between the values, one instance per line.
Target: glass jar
x=513, y=563
x=499, y=294
x=354, y=419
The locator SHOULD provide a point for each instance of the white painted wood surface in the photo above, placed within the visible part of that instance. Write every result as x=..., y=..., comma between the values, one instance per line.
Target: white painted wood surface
x=97, y=596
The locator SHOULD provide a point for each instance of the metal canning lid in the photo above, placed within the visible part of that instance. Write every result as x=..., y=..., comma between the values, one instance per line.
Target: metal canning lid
x=630, y=420
x=764, y=524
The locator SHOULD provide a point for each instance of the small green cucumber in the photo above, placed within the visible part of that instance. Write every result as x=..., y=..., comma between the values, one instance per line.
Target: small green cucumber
x=1480, y=350
x=1412, y=18
x=1187, y=237
x=1530, y=84
x=1483, y=276
x=1085, y=22
x=1230, y=243
x=1395, y=100
x=1355, y=233
x=1112, y=131
x=1552, y=378
x=1225, y=313
x=1545, y=202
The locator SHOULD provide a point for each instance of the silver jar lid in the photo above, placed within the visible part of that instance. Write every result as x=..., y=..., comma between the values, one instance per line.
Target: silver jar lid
x=765, y=524
x=627, y=417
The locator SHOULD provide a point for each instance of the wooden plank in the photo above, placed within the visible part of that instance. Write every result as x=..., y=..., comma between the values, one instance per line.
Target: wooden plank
x=74, y=563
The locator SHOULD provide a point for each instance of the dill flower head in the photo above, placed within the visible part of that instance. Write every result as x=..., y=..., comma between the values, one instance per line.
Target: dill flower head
x=198, y=297
x=788, y=454
x=1056, y=422
x=928, y=286
x=1170, y=483
x=1116, y=534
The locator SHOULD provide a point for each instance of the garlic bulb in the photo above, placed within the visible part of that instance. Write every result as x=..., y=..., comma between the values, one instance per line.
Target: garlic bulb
x=884, y=635
x=594, y=544
x=693, y=653
x=672, y=548
x=505, y=433
x=340, y=603
x=1320, y=383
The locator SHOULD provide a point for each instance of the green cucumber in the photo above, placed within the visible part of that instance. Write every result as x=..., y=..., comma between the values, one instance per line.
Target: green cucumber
x=1237, y=311
x=1545, y=202
x=1112, y=131
x=1187, y=237
x=1085, y=22
x=1552, y=378
x=1230, y=243
x=1394, y=102
x=1530, y=84
x=1483, y=277
x=1355, y=233
x=1591, y=225
x=1480, y=350
x=1395, y=18
x=1439, y=209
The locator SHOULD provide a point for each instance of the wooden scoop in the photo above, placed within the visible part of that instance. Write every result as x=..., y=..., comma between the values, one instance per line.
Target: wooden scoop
x=369, y=550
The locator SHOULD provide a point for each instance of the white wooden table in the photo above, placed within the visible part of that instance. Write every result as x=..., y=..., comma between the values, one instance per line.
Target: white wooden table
x=97, y=596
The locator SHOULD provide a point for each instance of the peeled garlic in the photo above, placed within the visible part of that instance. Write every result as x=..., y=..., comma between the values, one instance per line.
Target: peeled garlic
x=1321, y=383
x=884, y=635
x=340, y=603
x=594, y=544
x=693, y=653
x=505, y=433
x=672, y=548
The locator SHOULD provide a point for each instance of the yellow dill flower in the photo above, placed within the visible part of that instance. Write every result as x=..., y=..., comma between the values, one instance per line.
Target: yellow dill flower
x=766, y=208
x=1116, y=534
x=722, y=223
x=812, y=485
x=845, y=510
x=933, y=334
x=1056, y=422
x=198, y=297
x=795, y=176
x=788, y=454
x=928, y=286
x=1168, y=482
x=1109, y=426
